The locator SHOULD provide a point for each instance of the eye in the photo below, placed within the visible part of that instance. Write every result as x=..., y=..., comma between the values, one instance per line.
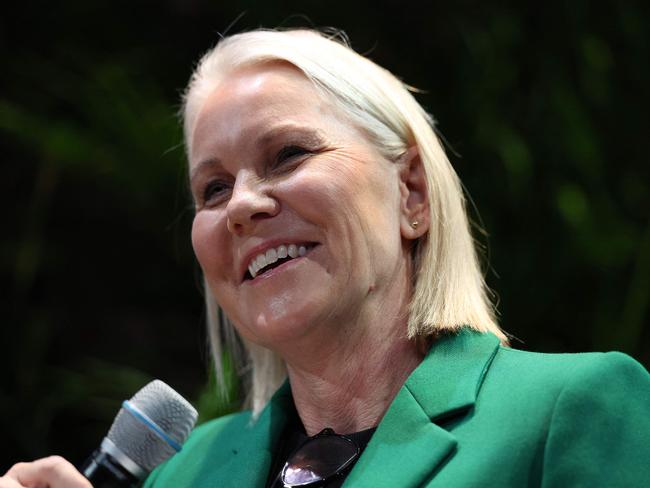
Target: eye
x=289, y=152
x=215, y=191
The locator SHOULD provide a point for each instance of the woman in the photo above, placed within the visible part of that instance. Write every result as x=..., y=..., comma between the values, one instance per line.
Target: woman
x=331, y=231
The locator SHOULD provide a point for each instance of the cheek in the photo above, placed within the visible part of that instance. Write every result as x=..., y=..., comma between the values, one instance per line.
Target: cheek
x=339, y=187
x=357, y=203
x=363, y=192
x=198, y=238
x=207, y=242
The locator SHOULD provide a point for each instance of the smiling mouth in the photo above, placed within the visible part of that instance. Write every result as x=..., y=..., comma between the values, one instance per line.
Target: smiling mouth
x=274, y=257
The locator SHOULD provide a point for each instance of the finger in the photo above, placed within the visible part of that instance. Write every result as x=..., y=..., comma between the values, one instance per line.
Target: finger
x=7, y=482
x=49, y=472
x=11, y=477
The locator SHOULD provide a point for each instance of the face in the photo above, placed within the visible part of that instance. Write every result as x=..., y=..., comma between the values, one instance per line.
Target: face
x=297, y=225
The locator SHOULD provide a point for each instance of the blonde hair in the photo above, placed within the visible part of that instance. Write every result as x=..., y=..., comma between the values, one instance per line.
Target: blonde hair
x=449, y=291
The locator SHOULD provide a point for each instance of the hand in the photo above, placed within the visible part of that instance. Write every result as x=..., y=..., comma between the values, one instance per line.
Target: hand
x=49, y=472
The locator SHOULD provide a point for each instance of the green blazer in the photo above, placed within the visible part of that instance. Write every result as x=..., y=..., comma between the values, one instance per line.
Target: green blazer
x=473, y=414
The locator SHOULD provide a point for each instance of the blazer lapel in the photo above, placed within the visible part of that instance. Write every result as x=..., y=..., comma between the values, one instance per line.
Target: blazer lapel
x=411, y=442
x=251, y=451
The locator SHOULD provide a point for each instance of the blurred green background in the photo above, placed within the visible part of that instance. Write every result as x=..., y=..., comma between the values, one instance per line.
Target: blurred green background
x=544, y=106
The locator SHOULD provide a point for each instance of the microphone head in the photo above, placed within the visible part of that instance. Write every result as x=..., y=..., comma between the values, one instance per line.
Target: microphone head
x=152, y=425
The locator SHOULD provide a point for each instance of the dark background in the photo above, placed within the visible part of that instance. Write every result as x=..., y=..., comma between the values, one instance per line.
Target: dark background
x=544, y=103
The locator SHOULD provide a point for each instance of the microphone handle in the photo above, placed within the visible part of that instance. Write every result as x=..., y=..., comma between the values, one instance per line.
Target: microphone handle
x=103, y=471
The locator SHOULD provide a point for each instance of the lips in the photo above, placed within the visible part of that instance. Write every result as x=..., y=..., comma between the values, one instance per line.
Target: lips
x=271, y=257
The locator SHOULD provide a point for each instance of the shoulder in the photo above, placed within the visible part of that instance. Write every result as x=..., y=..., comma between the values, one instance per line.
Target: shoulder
x=561, y=371
x=594, y=409
x=553, y=388
x=206, y=440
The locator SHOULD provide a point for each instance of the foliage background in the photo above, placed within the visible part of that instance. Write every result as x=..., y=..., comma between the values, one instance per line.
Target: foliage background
x=544, y=104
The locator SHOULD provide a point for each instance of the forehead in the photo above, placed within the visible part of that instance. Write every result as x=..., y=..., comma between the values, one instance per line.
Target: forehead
x=252, y=103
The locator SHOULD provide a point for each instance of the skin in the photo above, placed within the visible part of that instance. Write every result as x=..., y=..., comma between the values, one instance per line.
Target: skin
x=272, y=161
x=49, y=472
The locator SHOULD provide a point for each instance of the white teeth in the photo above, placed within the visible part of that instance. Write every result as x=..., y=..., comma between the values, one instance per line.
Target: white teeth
x=282, y=251
x=292, y=250
x=272, y=255
x=260, y=261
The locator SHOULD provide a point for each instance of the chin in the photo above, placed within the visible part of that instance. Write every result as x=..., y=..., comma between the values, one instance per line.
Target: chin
x=279, y=323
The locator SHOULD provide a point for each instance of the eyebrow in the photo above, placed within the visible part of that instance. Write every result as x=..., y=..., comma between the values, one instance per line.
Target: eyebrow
x=310, y=136
x=203, y=165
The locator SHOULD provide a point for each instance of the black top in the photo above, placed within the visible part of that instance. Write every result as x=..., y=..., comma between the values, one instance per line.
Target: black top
x=293, y=437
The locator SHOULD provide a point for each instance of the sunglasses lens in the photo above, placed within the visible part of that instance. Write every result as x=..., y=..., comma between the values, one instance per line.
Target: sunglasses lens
x=318, y=459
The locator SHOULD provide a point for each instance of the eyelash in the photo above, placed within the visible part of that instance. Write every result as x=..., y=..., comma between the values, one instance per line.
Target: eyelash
x=215, y=188
x=288, y=152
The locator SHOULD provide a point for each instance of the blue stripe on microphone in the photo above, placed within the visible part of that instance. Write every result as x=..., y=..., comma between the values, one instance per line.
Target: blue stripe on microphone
x=133, y=410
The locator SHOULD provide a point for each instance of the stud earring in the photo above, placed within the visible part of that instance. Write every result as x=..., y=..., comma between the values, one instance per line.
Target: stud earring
x=415, y=224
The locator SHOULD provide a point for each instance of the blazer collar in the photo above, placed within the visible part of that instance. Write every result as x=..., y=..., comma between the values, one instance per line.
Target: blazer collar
x=451, y=375
x=410, y=443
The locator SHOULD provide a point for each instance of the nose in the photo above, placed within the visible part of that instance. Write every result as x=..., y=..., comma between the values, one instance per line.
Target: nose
x=250, y=202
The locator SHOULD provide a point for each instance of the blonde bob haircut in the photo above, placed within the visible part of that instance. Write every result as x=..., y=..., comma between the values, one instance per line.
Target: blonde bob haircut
x=448, y=287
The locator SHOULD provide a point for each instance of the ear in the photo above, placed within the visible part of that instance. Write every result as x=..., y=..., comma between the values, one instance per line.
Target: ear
x=414, y=201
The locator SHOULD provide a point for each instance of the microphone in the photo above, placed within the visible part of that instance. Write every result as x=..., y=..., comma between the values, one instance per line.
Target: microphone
x=149, y=428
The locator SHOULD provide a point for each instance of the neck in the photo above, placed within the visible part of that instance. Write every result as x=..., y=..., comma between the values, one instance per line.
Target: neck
x=351, y=394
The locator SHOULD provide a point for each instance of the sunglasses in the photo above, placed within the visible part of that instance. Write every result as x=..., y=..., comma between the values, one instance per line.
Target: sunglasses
x=318, y=459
